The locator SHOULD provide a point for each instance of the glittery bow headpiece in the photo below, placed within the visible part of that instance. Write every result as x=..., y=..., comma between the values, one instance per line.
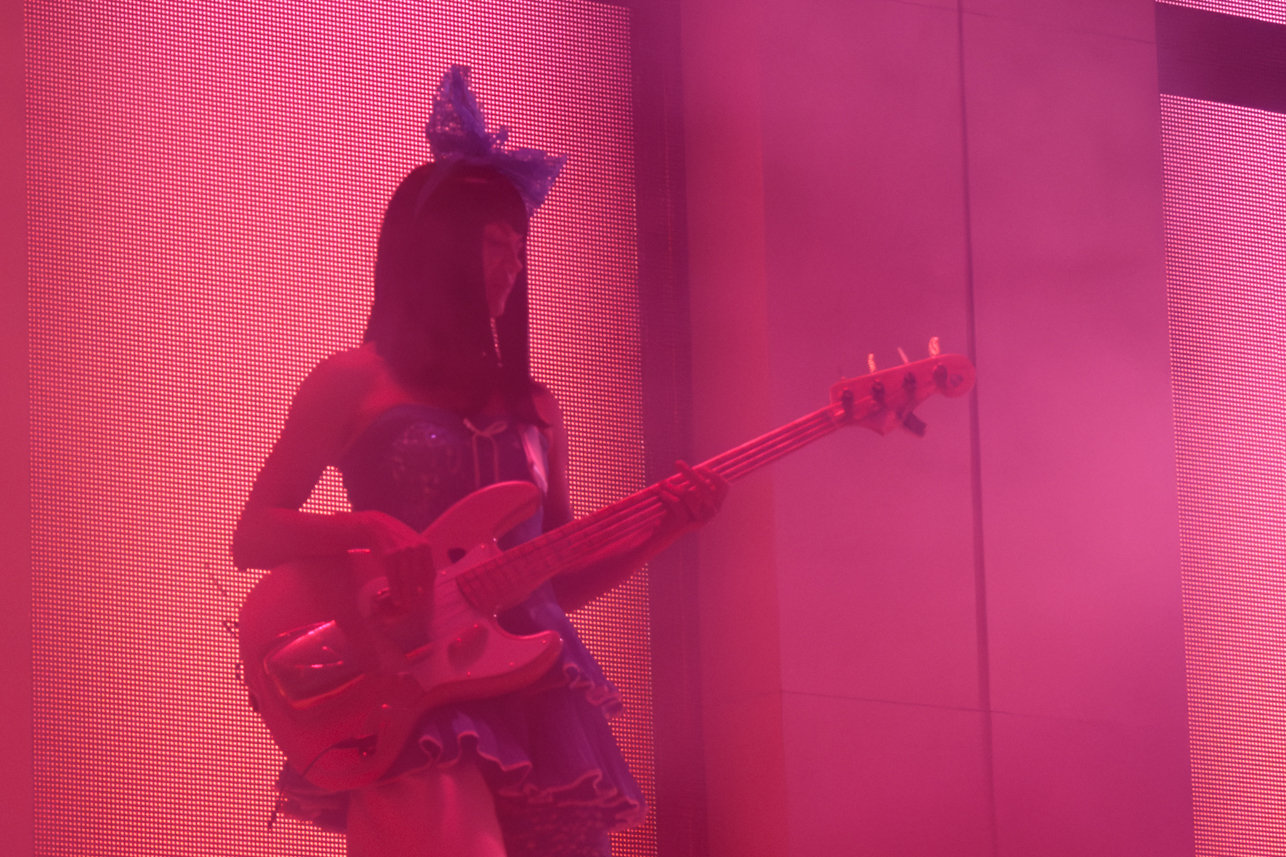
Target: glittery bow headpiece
x=457, y=134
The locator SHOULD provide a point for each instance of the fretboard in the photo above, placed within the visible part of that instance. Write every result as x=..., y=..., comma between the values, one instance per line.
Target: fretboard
x=510, y=577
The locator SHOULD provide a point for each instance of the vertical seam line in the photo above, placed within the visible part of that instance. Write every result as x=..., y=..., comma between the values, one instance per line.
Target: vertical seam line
x=975, y=459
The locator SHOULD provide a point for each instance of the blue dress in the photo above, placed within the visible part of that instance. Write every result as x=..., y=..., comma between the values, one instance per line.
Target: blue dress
x=558, y=778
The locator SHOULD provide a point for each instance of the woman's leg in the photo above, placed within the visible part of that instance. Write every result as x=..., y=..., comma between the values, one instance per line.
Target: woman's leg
x=432, y=812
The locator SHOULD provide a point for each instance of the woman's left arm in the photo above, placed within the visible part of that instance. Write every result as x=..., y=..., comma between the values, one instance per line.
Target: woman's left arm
x=689, y=505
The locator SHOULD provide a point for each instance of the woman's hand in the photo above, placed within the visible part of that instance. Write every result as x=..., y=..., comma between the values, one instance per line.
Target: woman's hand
x=691, y=497
x=404, y=553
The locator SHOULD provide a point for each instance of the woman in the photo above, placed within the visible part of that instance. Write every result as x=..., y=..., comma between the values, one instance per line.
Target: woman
x=437, y=403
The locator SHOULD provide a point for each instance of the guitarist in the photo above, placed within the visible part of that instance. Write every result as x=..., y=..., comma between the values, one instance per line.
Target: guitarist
x=437, y=403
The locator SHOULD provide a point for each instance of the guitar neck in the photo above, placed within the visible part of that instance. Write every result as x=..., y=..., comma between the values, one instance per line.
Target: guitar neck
x=627, y=523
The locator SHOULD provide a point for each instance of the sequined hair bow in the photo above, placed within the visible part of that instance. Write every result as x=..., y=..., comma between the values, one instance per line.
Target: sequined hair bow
x=457, y=134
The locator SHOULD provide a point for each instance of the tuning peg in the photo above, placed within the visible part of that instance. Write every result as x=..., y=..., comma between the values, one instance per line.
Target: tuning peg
x=914, y=424
x=934, y=348
x=902, y=354
x=870, y=363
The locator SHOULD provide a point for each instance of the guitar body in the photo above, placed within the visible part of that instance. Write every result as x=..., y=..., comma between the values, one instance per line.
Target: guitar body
x=340, y=677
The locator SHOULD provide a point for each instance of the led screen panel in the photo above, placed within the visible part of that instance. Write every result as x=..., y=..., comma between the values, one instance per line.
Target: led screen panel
x=1225, y=210
x=1273, y=11
x=205, y=183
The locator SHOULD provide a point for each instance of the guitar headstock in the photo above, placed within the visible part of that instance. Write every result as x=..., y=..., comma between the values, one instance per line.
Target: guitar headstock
x=884, y=400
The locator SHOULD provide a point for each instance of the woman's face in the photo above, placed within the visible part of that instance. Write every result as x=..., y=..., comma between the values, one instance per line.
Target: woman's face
x=502, y=255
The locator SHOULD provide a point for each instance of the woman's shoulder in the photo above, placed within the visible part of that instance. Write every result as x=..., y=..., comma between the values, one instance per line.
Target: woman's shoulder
x=329, y=402
x=362, y=362
x=341, y=382
x=351, y=371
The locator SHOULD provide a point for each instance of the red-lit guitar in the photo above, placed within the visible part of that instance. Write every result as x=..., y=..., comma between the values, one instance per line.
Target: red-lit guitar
x=340, y=676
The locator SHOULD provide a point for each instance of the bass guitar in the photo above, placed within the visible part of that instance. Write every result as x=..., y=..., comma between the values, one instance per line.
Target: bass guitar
x=340, y=674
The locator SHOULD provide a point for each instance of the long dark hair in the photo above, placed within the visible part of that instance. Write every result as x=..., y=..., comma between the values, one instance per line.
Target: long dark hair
x=430, y=321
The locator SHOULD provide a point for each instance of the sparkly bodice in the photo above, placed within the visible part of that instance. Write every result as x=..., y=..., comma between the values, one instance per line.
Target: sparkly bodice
x=415, y=460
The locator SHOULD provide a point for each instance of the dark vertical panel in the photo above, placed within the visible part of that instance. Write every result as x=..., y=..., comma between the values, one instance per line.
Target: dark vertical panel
x=741, y=705
x=667, y=417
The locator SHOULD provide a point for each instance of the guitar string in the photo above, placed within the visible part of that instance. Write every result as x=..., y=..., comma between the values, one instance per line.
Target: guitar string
x=736, y=463
x=507, y=578
x=645, y=512
x=632, y=514
x=639, y=510
x=641, y=513
x=642, y=509
x=612, y=516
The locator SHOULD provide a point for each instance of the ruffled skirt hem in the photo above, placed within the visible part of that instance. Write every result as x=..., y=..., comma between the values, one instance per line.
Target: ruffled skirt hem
x=548, y=756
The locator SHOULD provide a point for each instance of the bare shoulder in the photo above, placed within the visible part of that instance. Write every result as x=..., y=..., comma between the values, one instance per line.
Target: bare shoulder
x=332, y=395
x=343, y=374
x=350, y=365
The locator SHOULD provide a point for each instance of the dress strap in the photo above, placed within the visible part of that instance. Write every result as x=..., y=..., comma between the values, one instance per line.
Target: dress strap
x=536, y=461
x=489, y=433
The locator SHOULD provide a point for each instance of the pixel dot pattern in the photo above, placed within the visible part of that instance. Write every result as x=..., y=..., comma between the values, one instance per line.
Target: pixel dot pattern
x=205, y=184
